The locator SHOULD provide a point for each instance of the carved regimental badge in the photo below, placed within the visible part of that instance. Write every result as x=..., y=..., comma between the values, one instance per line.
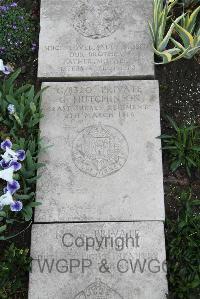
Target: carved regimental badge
x=100, y=150
x=98, y=290
x=95, y=18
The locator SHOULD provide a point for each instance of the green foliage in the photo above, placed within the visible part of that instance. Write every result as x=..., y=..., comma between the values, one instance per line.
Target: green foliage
x=183, y=146
x=189, y=3
x=17, y=32
x=26, y=102
x=14, y=267
x=190, y=39
x=164, y=31
x=183, y=249
x=22, y=128
x=189, y=20
x=160, y=35
x=158, y=27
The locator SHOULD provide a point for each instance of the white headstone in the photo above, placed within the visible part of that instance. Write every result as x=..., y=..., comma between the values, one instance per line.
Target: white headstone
x=98, y=261
x=104, y=161
x=95, y=38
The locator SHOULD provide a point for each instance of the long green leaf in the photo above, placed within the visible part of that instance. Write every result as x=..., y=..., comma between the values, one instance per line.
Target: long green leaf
x=192, y=20
x=186, y=36
x=162, y=46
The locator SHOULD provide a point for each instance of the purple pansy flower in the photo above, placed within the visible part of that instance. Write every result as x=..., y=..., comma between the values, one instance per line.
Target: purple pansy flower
x=16, y=165
x=9, y=164
x=16, y=206
x=4, y=164
x=13, y=186
x=6, y=144
x=21, y=155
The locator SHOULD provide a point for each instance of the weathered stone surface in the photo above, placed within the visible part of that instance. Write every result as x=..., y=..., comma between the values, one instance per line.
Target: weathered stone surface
x=98, y=261
x=95, y=38
x=104, y=162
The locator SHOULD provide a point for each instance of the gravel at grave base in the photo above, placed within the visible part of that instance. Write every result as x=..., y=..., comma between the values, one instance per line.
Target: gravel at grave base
x=180, y=90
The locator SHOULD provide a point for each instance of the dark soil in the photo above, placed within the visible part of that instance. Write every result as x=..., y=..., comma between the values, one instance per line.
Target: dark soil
x=180, y=99
x=180, y=90
x=22, y=238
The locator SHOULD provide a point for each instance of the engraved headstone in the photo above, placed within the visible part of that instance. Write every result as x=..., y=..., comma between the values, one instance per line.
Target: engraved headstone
x=95, y=38
x=98, y=261
x=104, y=161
